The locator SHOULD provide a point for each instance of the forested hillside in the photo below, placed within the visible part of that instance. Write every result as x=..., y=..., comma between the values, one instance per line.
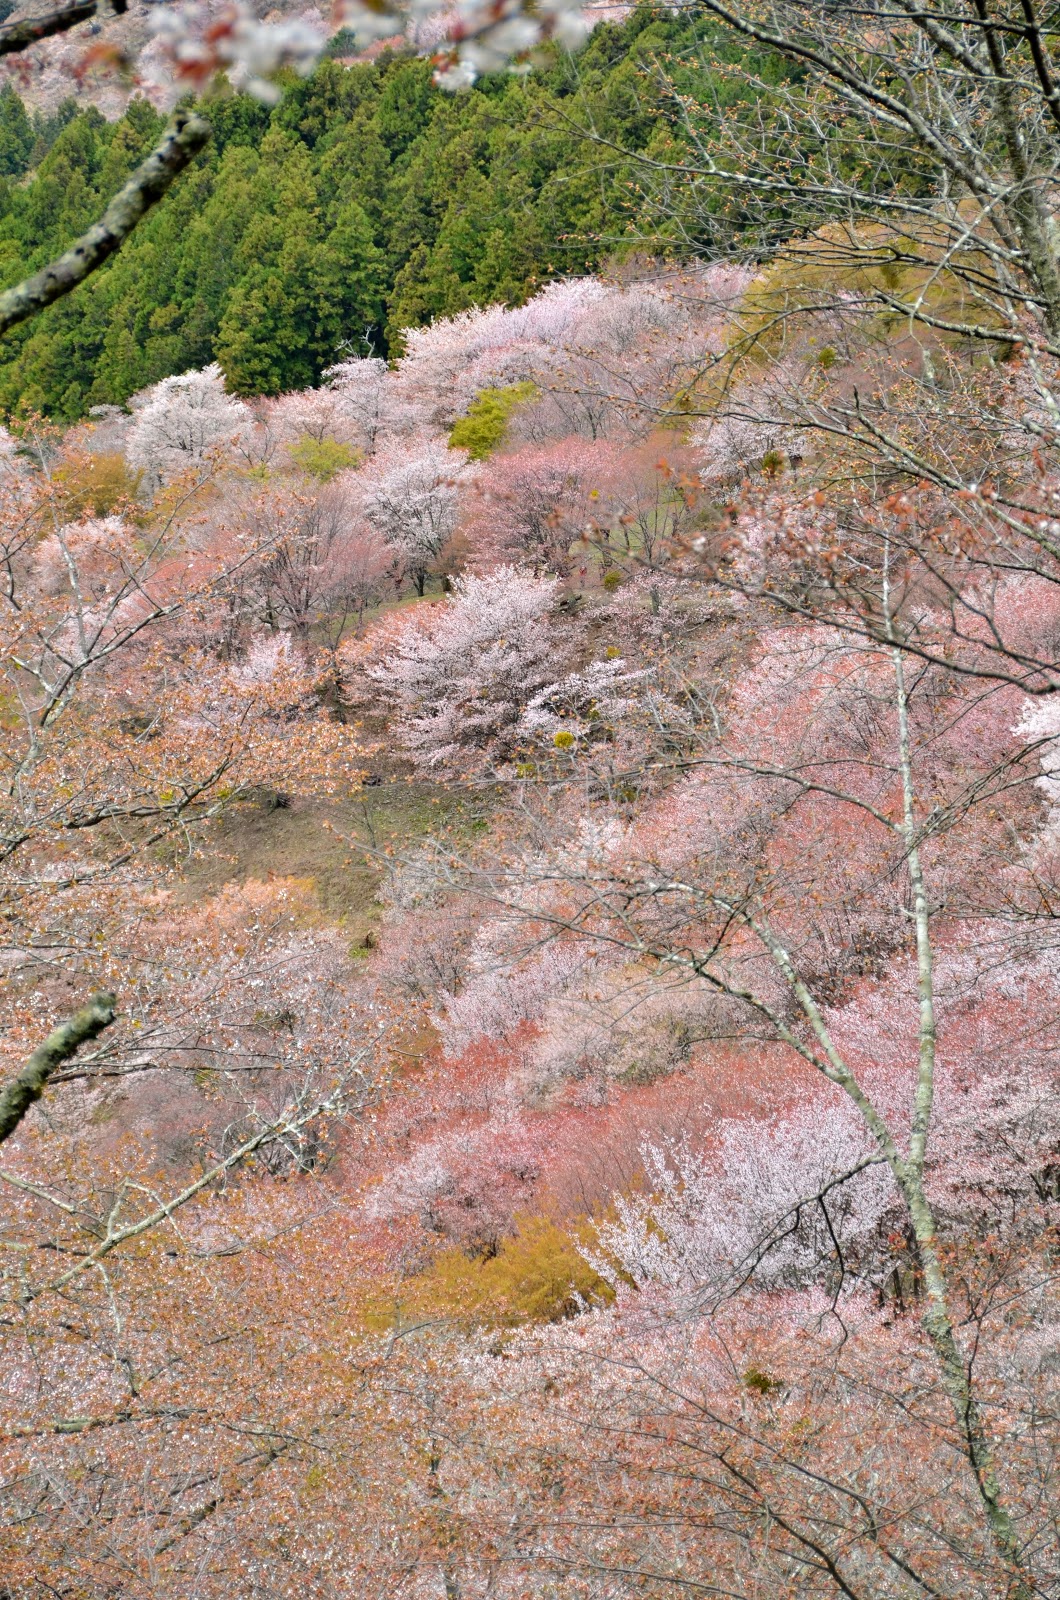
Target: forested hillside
x=363, y=203
x=530, y=830
x=448, y=766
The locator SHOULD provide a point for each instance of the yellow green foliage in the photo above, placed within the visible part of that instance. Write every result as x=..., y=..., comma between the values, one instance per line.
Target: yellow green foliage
x=884, y=270
x=537, y=1275
x=324, y=458
x=761, y=1382
x=95, y=485
x=875, y=262
x=485, y=423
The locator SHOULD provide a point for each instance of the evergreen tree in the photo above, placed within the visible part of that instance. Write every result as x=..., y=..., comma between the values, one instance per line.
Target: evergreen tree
x=364, y=202
x=17, y=137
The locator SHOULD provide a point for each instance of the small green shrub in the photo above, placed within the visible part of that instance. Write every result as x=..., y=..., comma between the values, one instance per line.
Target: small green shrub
x=761, y=1382
x=324, y=459
x=485, y=423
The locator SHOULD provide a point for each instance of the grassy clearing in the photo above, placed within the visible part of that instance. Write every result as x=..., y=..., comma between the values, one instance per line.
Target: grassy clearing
x=315, y=841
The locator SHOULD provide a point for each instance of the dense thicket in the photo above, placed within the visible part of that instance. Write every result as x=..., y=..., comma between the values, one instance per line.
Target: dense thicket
x=365, y=202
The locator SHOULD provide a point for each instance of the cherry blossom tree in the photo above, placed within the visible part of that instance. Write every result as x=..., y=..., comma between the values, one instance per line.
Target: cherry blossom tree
x=654, y=500
x=359, y=401
x=534, y=504
x=319, y=561
x=458, y=676
x=183, y=423
x=410, y=496
x=367, y=396
x=468, y=1182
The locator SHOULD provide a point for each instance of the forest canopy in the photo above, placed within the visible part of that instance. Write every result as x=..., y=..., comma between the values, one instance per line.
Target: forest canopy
x=363, y=203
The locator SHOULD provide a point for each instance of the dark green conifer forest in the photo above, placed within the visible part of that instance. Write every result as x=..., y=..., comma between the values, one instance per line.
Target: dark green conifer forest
x=365, y=202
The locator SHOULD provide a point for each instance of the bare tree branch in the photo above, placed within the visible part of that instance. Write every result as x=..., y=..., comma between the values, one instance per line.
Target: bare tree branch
x=185, y=136
x=26, y=31
x=59, y=1046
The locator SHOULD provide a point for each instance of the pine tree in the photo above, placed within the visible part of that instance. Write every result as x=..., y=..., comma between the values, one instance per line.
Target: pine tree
x=16, y=134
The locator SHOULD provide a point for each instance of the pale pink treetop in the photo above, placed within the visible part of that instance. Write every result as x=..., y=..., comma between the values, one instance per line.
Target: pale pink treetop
x=705, y=1213
x=459, y=676
x=410, y=495
x=183, y=421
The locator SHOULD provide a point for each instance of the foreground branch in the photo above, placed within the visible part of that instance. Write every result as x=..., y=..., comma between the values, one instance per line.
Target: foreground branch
x=26, y=31
x=185, y=136
x=59, y=1046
